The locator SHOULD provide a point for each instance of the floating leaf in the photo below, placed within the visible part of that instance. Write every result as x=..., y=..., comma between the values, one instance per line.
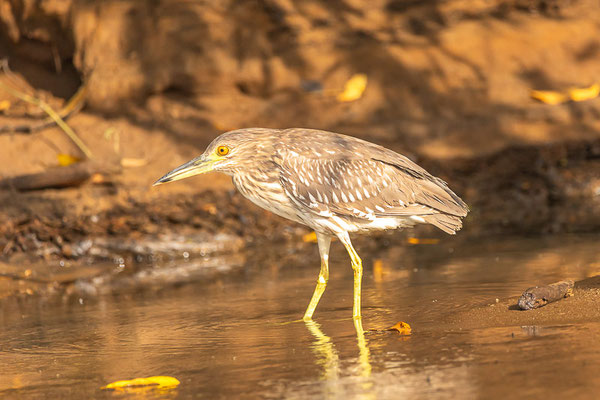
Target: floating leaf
x=162, y=382
x=354, y=88
x=310, y=238
x=581, y=94
x=4, y=105
x=414, y=240
x=65, y=160
x=401, y=327
x=549, y=96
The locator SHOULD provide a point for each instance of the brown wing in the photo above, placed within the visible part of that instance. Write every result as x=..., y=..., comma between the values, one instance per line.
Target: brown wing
x=413, y=183
x=367, y=189
x=336, y=187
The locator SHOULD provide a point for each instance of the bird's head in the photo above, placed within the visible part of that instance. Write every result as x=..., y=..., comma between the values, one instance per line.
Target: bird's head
x=229, y=152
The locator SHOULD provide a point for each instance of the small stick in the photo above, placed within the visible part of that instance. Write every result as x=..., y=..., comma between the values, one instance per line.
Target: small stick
x=48, y=110
x=73, y=106
x=539, y=296
x=60, y=177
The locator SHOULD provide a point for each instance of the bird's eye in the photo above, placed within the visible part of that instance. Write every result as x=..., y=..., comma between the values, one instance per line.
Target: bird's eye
x=222, y=150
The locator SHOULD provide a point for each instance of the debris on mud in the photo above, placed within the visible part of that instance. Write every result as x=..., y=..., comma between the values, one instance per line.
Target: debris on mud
x=59, y=177
x=155, y=98
x=582, y=306
x=203, y=223
x=539, y=296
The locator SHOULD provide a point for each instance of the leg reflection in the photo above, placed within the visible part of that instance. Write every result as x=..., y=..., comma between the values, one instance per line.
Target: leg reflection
x=328, y=358
x=327, y=355
x=364, y=353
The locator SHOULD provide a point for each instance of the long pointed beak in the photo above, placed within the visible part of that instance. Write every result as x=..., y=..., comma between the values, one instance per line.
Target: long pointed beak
x=195, y=167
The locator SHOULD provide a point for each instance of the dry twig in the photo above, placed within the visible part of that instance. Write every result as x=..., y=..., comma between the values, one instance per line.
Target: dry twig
x=48, y=110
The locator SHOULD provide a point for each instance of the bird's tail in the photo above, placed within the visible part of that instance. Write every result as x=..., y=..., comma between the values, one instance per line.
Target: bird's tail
x=446, y=222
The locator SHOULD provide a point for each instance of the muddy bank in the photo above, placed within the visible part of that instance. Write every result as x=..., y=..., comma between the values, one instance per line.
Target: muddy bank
x=550, y=189
x=581, y=307
x=445, y=79
x=448, y=85
x=49, y=229
x=531, y=189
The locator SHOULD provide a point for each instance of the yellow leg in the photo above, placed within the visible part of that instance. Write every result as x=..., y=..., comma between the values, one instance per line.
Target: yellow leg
x=324, y=241
x=358, y=270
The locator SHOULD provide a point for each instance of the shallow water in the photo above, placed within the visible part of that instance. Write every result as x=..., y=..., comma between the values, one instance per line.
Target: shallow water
x=233, y=336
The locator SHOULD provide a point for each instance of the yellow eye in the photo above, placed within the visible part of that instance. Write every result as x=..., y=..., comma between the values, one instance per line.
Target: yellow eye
x=222, y=150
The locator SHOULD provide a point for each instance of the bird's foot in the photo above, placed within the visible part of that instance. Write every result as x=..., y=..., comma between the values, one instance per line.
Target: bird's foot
x=307, y=318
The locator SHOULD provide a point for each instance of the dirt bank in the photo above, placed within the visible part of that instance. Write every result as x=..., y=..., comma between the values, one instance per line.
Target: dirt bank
x=448, y=84
x=449, y=79
x=581, y=307
x=520, y=190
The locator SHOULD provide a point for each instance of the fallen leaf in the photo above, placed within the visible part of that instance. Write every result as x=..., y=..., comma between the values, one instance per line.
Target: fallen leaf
x=133, y=162
x=310, y=238
x=401, y=327
x=4, y=105
x=414, y=240
x=378, y=270
x=98, y=179
x=581, y=94
x=162, y=382
x=549, y=96
x=210, y=208
x=354, y=88
x=64, y=160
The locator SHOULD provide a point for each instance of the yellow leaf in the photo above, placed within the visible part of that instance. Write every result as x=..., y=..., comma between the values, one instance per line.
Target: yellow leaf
x=414, y=240
x=549, y=96
x=98, y=179
x=354, y=88
x=581, y=94
x=65, y=160
x=4, y=105
x=133, y=162
x=210, y=208
x=402, y=327
x=378, y=270
x=162, y=382
x=310, y=238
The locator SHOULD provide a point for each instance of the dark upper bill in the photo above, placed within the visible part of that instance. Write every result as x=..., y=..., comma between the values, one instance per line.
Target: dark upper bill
x=194, y=167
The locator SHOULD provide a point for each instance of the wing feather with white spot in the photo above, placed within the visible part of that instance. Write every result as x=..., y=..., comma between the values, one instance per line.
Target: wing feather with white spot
x=412, y=188
x=356, y=188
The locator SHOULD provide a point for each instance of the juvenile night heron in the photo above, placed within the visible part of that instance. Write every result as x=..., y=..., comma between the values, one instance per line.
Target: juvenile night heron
x=333, y=183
